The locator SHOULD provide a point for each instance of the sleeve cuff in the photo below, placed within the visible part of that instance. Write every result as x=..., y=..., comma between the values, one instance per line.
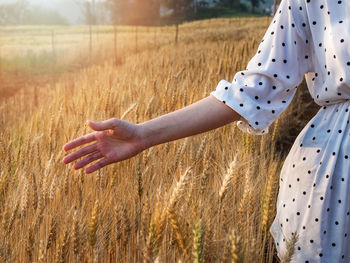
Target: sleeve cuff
x=244, y=123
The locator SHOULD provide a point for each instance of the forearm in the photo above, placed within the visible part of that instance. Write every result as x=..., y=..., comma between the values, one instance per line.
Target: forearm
x=201, y=116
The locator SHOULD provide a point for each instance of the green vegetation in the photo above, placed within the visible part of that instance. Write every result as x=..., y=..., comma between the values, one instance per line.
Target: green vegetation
x=220, y=11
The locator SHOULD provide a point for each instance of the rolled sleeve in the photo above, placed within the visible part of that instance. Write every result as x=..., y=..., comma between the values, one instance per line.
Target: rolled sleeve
x=265, y=89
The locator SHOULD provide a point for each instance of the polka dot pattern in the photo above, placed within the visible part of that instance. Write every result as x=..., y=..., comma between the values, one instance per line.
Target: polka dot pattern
x=311, y=38
x=314, y=184
x=273, y=74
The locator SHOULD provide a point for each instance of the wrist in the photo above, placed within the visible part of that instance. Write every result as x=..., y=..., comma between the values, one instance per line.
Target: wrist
x=145, y=135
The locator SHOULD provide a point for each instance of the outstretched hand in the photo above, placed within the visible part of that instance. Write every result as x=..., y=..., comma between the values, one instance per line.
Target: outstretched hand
x=114, y=140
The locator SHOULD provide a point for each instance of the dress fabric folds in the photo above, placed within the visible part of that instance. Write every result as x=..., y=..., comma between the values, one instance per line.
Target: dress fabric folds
x=311, y=38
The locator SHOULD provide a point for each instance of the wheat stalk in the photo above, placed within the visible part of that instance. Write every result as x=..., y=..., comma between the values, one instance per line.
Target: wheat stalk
x=245, y=197
x=13, y=217
x=62, y=249
x=41, y=251
x=51, y=238
x=176, y=227
x=76, y=235
x=227, y=178
x=52, y=191
x=179, y=188
x=234, y=239
x=29, y=244
x=93, y=224
x=201, y=148
x=290, y=246
x=131, y=107
x=198, y=244
x=179, y=154
x=34, y=191
x=25, y=199
x=266, y=208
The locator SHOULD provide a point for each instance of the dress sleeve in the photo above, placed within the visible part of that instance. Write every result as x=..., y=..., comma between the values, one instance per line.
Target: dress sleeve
x=265, y=89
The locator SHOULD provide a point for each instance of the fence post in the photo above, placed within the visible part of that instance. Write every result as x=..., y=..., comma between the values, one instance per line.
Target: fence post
x=177, y=33
x=155, y=36
x=0, y=65
x=90, y=20
x=274, y=6
x=136, y=38
x=1, y=69
x=53, y=45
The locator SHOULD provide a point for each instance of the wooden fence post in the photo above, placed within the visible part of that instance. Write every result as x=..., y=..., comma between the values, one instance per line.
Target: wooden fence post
x=136, y=38
x=0, y=65
x=155, y=35
x=274, y=6
x=177, y=33
x=1, y=77
x=90, y=20
x=53, y=45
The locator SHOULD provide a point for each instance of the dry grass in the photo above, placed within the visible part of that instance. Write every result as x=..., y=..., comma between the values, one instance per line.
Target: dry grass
x=151, y=207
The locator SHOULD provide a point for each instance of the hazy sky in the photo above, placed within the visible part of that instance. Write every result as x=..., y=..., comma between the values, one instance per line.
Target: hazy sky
x=70, y=9
x=46, y=2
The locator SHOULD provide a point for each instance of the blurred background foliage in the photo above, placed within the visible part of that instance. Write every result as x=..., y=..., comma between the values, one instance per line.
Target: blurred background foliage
x=126, y=12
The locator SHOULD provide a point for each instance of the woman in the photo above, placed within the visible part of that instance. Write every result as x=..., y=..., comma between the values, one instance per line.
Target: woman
x=306, y=37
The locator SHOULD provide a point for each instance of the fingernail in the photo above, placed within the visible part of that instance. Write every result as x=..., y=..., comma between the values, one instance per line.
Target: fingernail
x=89, y=123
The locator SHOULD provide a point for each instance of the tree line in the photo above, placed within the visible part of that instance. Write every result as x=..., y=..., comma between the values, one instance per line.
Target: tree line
x=153, y=12
x=21, y=13
x=130, y=12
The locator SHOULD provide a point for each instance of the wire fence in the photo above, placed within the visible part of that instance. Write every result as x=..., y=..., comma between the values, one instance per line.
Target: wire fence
x=48, y=50
x=34, y=49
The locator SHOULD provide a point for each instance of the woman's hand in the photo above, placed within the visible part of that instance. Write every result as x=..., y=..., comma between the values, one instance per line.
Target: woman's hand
x=117, y=140
x=114, y=140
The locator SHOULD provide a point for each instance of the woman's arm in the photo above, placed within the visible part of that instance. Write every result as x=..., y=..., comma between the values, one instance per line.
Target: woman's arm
x=115, y=140
x=201, y=116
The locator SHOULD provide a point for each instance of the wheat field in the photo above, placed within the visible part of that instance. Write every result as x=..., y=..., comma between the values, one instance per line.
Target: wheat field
x=208, y=198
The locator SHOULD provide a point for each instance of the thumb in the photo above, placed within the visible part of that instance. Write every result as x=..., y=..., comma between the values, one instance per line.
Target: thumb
x=103, y=125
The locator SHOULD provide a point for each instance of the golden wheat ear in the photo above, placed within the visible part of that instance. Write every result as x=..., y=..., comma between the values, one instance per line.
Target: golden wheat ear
x=290, y=245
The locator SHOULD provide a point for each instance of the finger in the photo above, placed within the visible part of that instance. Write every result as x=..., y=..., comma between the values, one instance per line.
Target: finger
x=97, y=166
x=103, y=125
x=80, y=141
x=80, y=153
x=92, y=157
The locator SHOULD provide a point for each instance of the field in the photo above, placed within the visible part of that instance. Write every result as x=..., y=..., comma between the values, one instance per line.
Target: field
x=151, y=208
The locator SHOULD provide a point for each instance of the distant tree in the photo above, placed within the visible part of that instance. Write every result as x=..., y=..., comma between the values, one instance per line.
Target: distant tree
x=255, y=4
x=42, y=16
x=135, y=12
x=118, y=10
x=182, y=9
x=275, y=4
x=20, y=13
x=13, y=14
x=143, y=12
x=230, y=3
x=101, y=14
x=89, y=13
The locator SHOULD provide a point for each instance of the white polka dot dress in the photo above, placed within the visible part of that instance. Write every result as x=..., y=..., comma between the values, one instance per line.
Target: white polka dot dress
x=309, y=37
